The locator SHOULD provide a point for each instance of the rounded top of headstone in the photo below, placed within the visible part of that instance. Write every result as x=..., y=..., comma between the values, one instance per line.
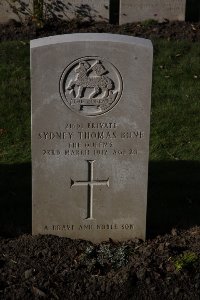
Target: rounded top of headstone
x=90, y=37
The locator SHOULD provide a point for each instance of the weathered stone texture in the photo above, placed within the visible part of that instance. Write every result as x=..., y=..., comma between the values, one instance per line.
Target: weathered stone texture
x=90, y=135
x=141, y=10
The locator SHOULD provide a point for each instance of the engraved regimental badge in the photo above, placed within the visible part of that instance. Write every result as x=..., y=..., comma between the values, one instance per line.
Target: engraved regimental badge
x=91, y=86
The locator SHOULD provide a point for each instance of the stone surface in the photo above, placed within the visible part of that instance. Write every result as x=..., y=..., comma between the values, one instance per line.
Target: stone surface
x=64, y=10
x=90, y=135
x=6, y=12
x=83, y=9
x=141, y=10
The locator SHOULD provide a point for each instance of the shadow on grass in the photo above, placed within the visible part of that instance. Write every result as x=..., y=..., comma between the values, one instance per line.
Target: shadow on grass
x=173, y=197
x=15, y=199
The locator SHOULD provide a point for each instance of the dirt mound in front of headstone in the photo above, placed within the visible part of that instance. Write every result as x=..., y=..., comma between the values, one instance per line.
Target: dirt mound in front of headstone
x=49, y=267
x=148, y=29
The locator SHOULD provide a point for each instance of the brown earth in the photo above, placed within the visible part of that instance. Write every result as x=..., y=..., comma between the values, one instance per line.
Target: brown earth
x=167, y=30
x=49, y=267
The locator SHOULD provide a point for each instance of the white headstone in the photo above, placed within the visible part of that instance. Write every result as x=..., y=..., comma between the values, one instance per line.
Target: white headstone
x=141, y=10
x=90, y=135
x=82, y=9
x=19, y=12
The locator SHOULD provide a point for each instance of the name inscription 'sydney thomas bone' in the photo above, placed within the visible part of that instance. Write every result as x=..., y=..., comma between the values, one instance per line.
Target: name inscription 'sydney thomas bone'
x=90, y=115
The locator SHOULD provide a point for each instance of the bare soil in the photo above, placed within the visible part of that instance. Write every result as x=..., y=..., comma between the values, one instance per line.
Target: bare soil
x=167, y=267
x=167, y=30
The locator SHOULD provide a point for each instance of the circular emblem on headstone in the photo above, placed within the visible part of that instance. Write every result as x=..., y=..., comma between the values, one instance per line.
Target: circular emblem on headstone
x=91, y=86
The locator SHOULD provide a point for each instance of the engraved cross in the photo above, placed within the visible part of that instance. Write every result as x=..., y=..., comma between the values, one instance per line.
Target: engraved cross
x=90, y=184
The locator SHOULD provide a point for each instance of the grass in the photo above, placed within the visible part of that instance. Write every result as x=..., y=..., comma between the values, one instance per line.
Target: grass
x=15, y=104
x=175, y=115
x=185, y=261
x=175, y=102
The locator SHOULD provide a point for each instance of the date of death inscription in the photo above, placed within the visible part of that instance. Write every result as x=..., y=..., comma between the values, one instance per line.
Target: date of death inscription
x=99, y=139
